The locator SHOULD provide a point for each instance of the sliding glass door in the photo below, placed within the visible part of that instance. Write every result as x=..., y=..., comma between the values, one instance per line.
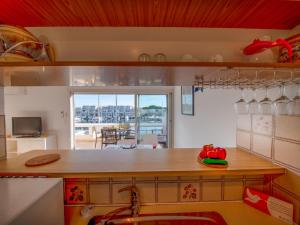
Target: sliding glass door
x=93, y=112
x=152, y=117
x=132, y=115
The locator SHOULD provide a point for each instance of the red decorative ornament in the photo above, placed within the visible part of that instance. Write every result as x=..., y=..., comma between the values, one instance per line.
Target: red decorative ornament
x=258, y=46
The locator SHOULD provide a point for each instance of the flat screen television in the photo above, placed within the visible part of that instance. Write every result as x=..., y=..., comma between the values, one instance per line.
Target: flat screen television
x=27, y=126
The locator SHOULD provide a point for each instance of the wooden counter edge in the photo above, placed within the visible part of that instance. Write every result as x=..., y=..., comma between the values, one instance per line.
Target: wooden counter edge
x=216, y=172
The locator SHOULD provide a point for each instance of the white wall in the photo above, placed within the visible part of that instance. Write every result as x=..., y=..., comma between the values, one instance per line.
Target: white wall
x=214, y=120
x=51, y=103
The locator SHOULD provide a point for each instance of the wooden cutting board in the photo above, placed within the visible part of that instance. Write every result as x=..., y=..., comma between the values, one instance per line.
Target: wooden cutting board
x=42, y=160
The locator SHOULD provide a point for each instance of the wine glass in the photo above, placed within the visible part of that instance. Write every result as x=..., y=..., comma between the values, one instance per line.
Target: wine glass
x=265, y=105
x=253, y=104
x=294, y=105
x=241, y=106
x=281, y=103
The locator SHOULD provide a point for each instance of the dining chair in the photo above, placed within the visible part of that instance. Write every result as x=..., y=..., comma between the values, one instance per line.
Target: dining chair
x=109, y=136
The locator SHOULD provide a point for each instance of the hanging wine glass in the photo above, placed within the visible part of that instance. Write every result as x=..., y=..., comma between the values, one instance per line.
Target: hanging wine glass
x=241, y=106
x=253, y=104
x=281, y=103
x=294, y=105
x=265, y=105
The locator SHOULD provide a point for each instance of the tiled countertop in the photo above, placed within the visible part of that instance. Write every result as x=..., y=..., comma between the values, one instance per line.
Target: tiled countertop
x=125, y=163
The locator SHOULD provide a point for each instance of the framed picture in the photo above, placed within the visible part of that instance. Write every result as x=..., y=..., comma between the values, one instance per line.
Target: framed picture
x=187, y=100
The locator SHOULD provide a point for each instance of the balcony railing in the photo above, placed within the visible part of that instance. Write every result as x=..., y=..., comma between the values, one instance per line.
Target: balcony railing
x=86, y=132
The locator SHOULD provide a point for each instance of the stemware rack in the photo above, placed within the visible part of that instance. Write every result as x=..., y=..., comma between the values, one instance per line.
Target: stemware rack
x=248, y=79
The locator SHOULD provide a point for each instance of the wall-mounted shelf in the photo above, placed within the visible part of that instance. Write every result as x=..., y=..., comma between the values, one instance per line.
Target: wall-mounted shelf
x=154, y=64
x=132, y=73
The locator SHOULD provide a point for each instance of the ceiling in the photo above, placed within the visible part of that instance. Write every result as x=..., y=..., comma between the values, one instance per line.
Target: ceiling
x=264, y=14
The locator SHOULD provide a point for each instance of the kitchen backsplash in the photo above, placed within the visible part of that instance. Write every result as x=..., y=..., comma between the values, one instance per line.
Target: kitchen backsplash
x=159, y=189
x=276, y=138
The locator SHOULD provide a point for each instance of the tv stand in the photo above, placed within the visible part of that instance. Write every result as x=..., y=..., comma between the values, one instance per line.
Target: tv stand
x=28, y=136
x=18, y=144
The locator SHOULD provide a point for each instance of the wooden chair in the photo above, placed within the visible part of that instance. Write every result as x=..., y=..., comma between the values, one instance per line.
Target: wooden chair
x=109, y=136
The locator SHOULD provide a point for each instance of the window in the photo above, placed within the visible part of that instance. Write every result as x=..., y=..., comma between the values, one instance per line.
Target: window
x=133, y=115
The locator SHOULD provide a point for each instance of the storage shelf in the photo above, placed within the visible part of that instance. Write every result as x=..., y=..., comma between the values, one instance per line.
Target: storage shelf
x=153, y=64
x=132, y=73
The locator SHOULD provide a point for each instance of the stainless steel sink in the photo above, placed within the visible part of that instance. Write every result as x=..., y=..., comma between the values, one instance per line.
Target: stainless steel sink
x=192, y=218
x=142, y=219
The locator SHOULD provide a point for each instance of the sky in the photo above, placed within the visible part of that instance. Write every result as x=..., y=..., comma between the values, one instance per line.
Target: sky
x=122, y=99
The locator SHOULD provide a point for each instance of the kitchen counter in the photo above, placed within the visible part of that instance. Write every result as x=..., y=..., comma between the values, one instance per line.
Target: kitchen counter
x=133, y=163
x=24, y=200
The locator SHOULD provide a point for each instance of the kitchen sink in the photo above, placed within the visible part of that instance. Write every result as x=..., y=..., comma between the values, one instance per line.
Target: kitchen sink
x=193, y=218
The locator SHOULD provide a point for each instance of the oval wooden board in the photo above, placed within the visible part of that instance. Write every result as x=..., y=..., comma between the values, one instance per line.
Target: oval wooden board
x=42, y=160
x=212, y=165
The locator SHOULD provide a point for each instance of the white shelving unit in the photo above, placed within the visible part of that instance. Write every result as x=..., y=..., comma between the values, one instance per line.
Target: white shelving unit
x=17, y=146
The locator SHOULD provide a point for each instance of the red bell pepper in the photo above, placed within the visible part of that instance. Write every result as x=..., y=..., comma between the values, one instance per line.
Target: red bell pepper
x=208, y=151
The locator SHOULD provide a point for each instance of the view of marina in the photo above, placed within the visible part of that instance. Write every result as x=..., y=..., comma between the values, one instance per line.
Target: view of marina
x=138, y=114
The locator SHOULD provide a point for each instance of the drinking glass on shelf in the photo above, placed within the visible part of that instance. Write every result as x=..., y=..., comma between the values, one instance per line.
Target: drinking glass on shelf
x=281, y=103
x=144, y=57
x=265, y=105
x=160, y=57
x=253, y=104
x=294, y=105
x=241, y=106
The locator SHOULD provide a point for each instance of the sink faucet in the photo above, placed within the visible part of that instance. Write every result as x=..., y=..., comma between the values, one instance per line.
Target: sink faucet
x=134, y=208
x=134, y=199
